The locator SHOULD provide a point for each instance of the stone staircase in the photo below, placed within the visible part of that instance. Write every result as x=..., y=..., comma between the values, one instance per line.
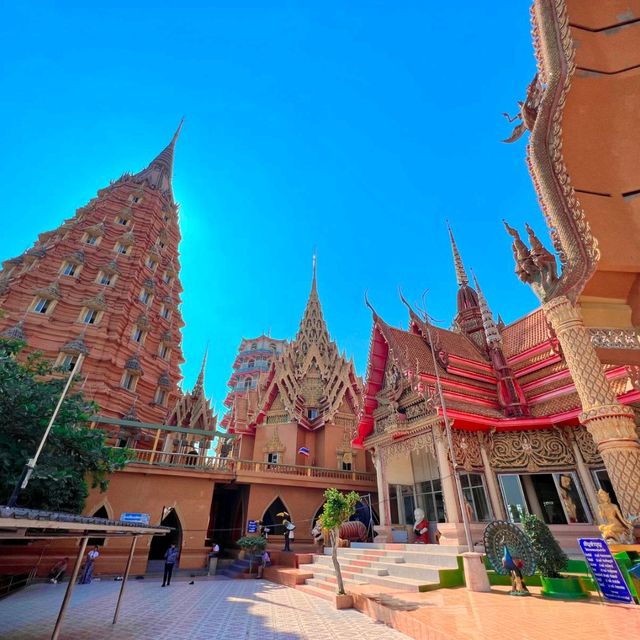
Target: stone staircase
x=393, y=567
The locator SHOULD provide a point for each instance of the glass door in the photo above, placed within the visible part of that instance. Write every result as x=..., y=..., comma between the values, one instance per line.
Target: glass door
x=513, y=495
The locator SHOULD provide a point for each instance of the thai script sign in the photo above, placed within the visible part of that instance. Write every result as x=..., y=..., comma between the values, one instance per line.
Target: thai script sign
x=252, y=526
x=605, y=570
x=138, y=518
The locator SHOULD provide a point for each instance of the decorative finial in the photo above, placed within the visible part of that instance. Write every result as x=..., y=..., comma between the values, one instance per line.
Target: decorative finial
x=199, y=386
x=461, y=274
x=490, y=329
x=315, y=268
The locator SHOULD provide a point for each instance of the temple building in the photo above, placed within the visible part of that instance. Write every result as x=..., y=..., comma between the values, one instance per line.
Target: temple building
x=515, y=417
x=106, y=284
x=293, y=407
x=253, y=361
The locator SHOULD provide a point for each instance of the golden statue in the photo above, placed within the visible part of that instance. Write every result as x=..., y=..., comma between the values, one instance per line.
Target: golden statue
x=617, y=529
x=566, y=485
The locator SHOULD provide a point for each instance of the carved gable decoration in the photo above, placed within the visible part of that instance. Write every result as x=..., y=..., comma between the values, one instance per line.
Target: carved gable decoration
x=466, y=448
x=530, y=450
x=311, y=380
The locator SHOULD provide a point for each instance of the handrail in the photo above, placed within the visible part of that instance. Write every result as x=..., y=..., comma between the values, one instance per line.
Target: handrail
x=233, y=466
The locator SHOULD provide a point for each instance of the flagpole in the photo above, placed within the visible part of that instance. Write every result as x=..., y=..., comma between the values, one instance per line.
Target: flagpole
x=29, y=467
x=447, y=426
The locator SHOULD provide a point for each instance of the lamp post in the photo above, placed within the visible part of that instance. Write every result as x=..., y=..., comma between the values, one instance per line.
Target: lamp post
x=447, y=427
x=29, y=467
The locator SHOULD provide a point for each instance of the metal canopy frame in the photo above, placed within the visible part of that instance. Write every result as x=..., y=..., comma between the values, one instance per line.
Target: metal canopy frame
x=18, y=524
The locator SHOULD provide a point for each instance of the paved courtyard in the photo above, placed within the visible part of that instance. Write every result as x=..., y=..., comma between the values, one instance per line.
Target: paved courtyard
x=226, y=609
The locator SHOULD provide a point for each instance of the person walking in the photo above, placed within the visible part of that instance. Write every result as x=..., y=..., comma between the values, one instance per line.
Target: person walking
x=170, y=559
x=265, y=561
x=87, y=572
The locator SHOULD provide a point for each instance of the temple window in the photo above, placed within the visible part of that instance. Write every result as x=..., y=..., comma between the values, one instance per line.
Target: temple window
x=66, y=361
x=138, y=335
x=273, y=457
x=42, y=305
x=248, y=383
x=556, y=498
x=166, y=278
x=161, y=397
x=252, y=364
x=145, y=297
x=129, y=381
x=69, y=269
x=346, y=466
x=90, y=239
x=121, y=249
x=105, y=279
x=90, y=316
x=312, y=413
x=475, y=494
x=122, y=220
x=165, y=312
x=152, y=264
x=135, y=199
x=603, y=482
x=164, y=351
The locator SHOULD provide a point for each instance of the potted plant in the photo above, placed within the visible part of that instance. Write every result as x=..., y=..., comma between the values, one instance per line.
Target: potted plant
x=338, y=508
x=252, y=545
x=550, y=561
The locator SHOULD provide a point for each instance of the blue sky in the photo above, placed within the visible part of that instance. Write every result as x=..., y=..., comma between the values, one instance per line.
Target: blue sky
x=355, y=128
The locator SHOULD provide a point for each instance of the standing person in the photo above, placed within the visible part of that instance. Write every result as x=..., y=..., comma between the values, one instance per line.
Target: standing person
x=288, y=533
x=170, y=559
x=265, y=561
x=87, y=572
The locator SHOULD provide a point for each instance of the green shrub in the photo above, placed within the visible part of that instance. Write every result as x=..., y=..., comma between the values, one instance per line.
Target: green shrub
x=550, y=558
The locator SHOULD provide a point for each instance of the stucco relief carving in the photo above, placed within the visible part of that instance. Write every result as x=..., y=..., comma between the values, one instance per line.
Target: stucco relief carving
x=586, y=445
x=423, y=441
x=530, y=450
x=466, y=449
x=615, y=338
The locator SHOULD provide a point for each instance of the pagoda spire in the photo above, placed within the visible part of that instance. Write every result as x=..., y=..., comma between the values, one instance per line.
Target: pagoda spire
x=491, y=331
x=159, y=173
x=461, y=274
x=313, y=329
x=199, y=385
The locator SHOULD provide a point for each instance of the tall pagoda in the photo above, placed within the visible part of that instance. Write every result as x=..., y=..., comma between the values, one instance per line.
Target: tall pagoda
x=106, y=284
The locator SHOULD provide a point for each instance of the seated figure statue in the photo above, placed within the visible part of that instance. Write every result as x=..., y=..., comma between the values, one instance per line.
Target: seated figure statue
x=421, y=527
x=616, y=528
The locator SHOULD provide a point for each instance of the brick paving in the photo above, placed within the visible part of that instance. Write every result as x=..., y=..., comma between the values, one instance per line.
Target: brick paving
x=226, y=609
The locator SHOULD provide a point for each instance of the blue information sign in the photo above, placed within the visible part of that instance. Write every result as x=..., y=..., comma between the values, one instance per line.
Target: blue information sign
x=138, y=518
x=605, y=570
x=252, y=526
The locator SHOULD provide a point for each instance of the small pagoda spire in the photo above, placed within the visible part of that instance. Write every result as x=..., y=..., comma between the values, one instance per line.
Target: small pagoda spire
x=198, y=388
x=491, y=331
x=314, y=277
x=461, y=274
x=159, y=173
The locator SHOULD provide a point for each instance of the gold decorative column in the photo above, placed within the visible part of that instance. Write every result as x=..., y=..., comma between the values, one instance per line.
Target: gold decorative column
x=611, y=424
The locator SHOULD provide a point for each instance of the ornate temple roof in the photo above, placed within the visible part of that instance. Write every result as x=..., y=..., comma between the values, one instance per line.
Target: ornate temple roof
x=311, y=378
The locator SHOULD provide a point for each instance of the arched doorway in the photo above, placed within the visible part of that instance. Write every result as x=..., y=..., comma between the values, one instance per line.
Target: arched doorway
x=160, y=544
x=98, y=542
x=272, y=520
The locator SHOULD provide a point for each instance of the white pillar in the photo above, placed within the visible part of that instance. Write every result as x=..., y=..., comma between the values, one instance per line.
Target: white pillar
x=383, y=490
x=497, y=504
x=446, y=476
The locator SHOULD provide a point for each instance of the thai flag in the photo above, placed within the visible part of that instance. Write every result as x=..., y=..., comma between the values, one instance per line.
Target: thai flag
x=304, y=451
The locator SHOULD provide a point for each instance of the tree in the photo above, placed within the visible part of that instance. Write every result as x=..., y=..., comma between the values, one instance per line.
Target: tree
x=550, y=558
x=338, y=508
x=251, y=545
x=73, y=455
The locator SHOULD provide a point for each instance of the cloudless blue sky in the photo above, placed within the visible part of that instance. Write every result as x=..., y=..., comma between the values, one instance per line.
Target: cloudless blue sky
x=356, y=128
